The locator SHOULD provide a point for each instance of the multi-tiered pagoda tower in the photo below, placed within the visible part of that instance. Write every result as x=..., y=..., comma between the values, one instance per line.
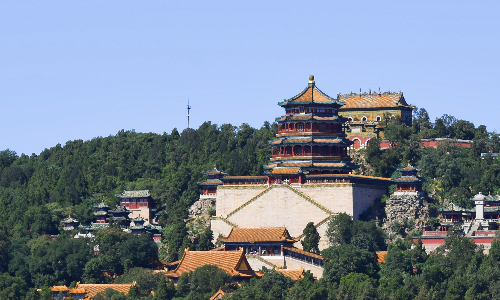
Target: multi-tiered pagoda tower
x=310, y=139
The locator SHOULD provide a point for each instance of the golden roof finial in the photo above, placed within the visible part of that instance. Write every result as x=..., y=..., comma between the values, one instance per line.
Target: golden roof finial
x=311, y=79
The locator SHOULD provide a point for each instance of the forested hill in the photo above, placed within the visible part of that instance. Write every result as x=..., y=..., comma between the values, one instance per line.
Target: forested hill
x=37, y=191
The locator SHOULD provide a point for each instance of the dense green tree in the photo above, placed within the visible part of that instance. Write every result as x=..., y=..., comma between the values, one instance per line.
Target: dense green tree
x=311, y=238
x=345, y=259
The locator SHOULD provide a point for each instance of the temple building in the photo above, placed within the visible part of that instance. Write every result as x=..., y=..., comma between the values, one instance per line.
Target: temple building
x=139, y=203
x=233, y=263
x=366, y=111
x=310, y=138
x=208, y=195
x=69, y=223
x=408, y=182
x=261, y=241
x=308, y=179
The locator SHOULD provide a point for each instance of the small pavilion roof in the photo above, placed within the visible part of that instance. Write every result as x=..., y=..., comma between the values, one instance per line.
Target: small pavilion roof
x=91, y=290
x=403, y=179
x=214, y=171
x=408, y=168
x=101, y=205
x=373, y=100
x=59, y=288
x=211, y=182
x=293, y=274
x=69, y=219
x=134, y=194
x=119, y=209
x=260, y=234
x=452, y=207
x=310, y=95
x=232, y=262
x=138, y=219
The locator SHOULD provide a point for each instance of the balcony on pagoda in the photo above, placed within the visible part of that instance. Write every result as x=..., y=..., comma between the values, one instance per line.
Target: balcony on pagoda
x=333, y=152
x=310, y=127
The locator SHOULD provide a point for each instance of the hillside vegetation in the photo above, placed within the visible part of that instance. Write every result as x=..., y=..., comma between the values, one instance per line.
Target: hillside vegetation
x=38, y=191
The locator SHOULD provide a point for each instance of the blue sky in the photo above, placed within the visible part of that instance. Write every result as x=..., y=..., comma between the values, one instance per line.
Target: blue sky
x=82, y=69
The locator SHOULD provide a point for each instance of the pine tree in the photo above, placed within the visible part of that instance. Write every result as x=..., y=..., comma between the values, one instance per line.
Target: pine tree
x=311, y=238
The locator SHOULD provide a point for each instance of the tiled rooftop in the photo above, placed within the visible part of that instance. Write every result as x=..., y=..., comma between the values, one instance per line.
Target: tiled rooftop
x=311, y=94
x=93, y=289
x=263, y=234
x=293, y=274
x=381, y=256
x=373, y=100
x=134, y=194
x=210, y=182
x=408, y=168
x=300, y=251
x=232, y=262
x=407, y=179
x=285, y=171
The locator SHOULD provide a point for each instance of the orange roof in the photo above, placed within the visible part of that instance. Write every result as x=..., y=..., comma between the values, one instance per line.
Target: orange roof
x=328, y=140
x=263, y=234
x=373, y=100
x=59, y=288
x=298, y=140
x=381, y=256
x=302, y=164
x=77, y=291
x=300, y=251
x=286, y=171
x=232, y=262
x=93, y=289
x=310, y=94
x=293, y=274
x=218, y=294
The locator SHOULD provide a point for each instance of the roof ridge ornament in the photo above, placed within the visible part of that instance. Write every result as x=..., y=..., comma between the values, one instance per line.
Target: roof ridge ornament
x=311, y=80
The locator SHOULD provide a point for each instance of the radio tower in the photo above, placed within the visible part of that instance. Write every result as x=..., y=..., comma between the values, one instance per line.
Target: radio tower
x=188, y=107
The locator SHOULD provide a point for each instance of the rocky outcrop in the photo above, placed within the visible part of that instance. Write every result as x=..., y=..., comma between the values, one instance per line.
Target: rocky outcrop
x=405, y=213
x=201, y=206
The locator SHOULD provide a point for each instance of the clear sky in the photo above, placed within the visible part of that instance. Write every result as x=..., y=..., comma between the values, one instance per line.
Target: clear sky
x=82, y=69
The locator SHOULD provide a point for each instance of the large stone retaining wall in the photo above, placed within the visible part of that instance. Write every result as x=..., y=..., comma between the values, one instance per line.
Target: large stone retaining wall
x=230, y=198
x=279, y=207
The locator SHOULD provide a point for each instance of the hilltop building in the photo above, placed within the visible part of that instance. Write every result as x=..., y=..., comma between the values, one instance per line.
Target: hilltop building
x=479, y=223
x=408, y=182
x=366, y=111
x=308, y=178
x=139, y=203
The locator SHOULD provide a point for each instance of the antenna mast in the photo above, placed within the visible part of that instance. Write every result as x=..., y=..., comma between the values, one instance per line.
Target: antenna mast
x=188, y=108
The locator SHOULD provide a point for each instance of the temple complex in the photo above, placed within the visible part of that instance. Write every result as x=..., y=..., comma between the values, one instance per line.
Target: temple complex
x=479, y=223
x=308, y=178
x=366, y=111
